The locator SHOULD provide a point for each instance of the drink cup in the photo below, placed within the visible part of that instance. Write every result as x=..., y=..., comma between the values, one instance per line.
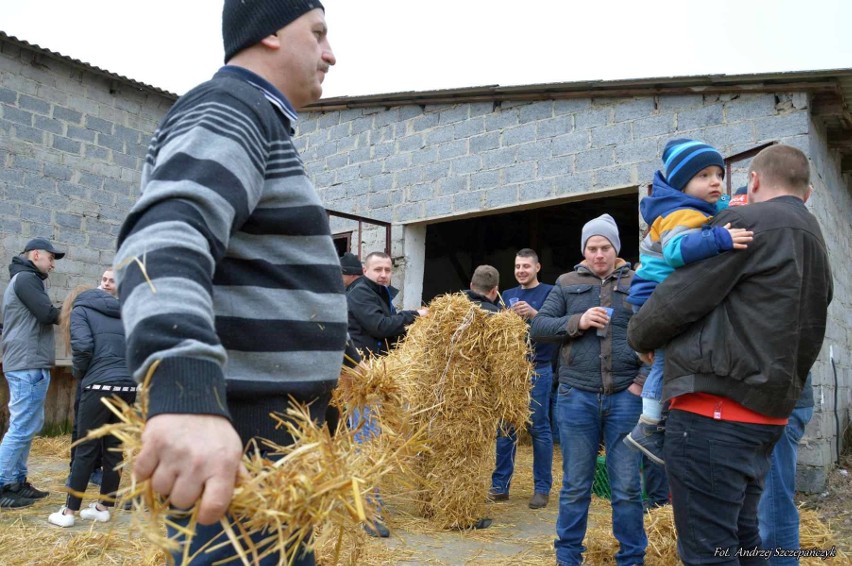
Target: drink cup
x=602, y=331
x=512, y=301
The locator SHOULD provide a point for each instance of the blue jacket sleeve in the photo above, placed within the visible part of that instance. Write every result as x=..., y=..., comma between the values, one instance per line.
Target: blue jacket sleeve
x=696, y=245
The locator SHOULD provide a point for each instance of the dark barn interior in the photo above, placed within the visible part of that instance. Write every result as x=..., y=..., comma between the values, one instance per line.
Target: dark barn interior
x=456, y=247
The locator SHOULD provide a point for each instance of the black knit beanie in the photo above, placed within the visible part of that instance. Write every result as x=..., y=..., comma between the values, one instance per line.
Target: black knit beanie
x=246, y=22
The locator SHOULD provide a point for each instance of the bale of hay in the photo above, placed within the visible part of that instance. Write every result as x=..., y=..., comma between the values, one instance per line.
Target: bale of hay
x=462, y=372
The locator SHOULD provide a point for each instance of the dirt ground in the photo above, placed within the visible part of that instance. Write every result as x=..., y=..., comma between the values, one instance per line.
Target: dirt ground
x=519, y=536
x=834, y=503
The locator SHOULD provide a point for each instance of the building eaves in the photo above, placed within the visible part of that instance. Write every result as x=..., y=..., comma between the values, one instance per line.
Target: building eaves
x=82, y=64
x=835, y=81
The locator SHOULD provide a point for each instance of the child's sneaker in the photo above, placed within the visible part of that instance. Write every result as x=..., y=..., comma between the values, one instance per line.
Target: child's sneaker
x=648, y=437
x=60, y=519
x=92, y=513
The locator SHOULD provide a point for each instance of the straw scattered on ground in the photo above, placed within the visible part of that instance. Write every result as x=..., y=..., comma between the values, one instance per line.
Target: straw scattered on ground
x=519, y=536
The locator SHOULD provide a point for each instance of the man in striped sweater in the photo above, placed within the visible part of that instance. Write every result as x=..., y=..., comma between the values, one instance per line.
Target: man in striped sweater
x=240, y=299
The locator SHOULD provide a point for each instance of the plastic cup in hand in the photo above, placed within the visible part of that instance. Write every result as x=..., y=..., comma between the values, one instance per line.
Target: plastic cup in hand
x=602, y=331
x=512, y=301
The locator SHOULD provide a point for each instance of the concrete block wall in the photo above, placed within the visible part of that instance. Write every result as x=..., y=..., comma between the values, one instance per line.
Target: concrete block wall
x=414, y=164
x=831, y=203
x=73, y=143
x=72, y=151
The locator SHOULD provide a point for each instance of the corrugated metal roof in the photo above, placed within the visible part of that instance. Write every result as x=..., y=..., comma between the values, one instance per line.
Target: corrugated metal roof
x=91, y=68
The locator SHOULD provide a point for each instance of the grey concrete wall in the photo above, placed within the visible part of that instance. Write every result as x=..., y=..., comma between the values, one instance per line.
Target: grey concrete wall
x=412, y=164
x=71, y=150
x=832, y=205
x=71, y=158
x=416, y=164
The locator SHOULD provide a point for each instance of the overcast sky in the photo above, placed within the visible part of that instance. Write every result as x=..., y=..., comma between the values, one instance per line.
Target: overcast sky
x=385, y=46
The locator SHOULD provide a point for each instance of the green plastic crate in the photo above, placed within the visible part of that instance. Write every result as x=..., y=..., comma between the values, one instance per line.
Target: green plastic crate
x=600, y=486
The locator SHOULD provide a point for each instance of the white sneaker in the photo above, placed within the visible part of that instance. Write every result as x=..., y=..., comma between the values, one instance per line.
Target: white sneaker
x=91, y=513
x=60, y=519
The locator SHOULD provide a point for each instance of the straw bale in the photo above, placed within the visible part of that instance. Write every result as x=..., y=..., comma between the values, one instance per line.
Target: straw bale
x=463, y=371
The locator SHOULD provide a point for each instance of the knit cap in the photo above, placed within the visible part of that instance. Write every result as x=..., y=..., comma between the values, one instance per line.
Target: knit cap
x=350, y=264
x=684, y=158
x=604, y=225
x=246, y=22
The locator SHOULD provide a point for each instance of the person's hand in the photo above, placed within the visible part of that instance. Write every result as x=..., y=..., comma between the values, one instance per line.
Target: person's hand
x=740, y=236
x=524, y=310
x=636, y=389
x=423, y=312
x=595, y=317
x=646, y=357
x=189, y=457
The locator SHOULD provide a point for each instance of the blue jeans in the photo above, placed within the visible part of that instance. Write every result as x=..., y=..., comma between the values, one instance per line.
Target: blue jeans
x=554, y=425
x=542, y=439
x=653, y=388
x=586, y=418
x=777, y=515
x=716, y=470
x=368, y=428
x=27, y=390
x=204, y=534
x=656, y=483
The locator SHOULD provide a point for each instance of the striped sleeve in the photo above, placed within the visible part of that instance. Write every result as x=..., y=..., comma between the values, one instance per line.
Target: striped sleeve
x=202, y=178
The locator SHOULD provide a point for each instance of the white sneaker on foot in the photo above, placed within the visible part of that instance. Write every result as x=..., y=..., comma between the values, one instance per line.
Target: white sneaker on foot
x=60, y=519
x=92, y=513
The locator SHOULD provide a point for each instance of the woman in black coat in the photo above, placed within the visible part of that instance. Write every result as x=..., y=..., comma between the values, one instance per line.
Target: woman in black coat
x=96, y=337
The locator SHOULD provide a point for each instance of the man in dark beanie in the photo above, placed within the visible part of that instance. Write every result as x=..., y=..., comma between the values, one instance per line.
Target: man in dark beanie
x=351, y=269
x=241, y=263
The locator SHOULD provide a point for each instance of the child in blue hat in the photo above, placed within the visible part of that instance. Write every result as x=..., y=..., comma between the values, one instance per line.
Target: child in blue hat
x=677, y=211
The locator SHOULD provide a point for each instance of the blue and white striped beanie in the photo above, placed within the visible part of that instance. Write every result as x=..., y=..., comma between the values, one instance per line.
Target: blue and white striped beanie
x=683, y=159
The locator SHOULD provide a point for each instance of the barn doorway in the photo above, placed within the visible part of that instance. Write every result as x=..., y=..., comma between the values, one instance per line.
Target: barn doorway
x=454, y=248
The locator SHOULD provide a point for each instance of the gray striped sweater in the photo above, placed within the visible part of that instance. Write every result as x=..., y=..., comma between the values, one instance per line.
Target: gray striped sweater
x=247, y=301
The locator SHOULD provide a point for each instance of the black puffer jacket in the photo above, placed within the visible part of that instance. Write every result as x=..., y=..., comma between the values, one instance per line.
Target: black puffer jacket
x=373, y=324
x=746, y=325
x=97, y=340
x=586, y=361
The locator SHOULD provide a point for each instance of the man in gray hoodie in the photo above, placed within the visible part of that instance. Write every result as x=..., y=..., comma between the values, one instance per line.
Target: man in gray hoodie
x=28, y=355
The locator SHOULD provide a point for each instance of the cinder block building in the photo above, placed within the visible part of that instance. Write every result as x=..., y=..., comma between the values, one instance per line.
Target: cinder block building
x=446, y=180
